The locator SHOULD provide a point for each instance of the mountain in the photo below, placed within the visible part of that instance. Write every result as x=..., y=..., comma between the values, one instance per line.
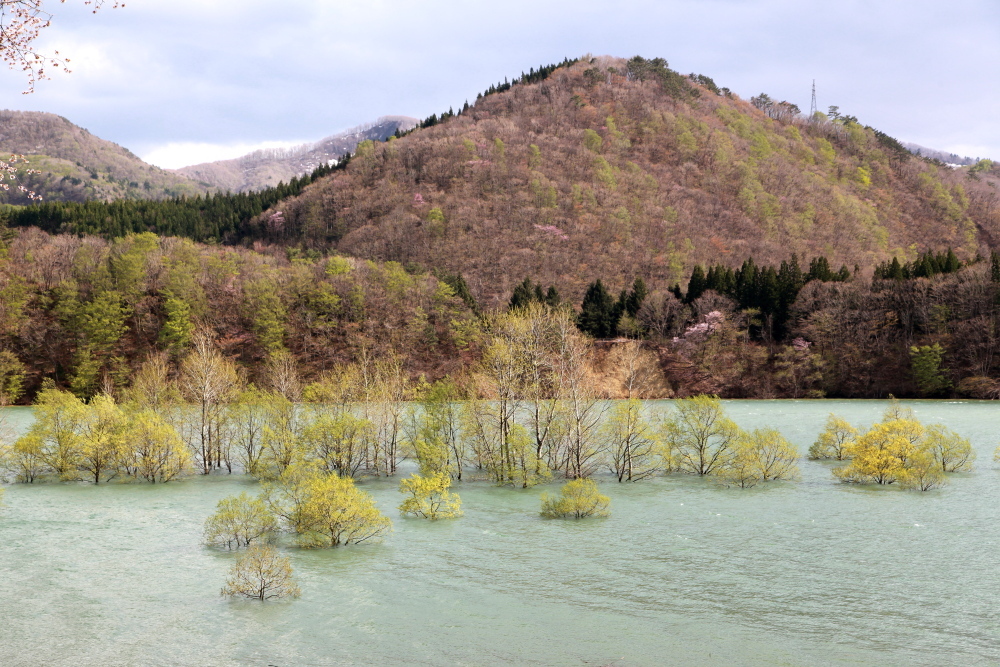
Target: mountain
x=75, y=165
x=615, y=169
x=266, y=168
x=941, y=156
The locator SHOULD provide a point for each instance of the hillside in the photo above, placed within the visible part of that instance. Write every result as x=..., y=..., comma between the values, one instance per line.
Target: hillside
x=615, y=169
x=267, y=168
x=75, y=165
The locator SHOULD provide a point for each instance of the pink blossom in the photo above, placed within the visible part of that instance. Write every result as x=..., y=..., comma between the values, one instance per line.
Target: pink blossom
x=801, y=344
x=418, y=199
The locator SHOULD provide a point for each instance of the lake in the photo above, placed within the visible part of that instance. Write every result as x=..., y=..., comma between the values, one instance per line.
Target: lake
x=683, y=572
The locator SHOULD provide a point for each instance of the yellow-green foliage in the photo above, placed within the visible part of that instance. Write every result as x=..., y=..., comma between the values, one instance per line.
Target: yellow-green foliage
x=338, y=266
x=633, y=448
x=699, y=438
x=577, y=499
x=325, y=510
x=240, y=521
x=605, y=173
x=592, y=141
x=429, y=497
x=900, y=449
x=762, y=455
x=835, y=440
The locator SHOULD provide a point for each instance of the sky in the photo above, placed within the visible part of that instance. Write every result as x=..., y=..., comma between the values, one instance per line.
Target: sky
x=180, y=82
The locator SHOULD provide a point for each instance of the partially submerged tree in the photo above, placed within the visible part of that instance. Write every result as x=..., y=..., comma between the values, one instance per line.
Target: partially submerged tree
x=325, y=510
x=577, y=499
x=429, y=497
x=699, y=438
x=901, y=450
x=261, y=574
x=762, y=455
x=240, y=521
x=835, y=440
x=633, y=450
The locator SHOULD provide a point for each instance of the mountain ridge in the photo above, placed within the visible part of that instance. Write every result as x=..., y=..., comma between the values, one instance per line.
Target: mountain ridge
x=268, y=167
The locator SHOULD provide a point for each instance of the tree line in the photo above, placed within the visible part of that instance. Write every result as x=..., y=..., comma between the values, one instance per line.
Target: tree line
x=213, y=218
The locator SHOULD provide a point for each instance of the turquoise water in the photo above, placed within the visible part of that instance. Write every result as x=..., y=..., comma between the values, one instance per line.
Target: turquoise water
x=683, y=572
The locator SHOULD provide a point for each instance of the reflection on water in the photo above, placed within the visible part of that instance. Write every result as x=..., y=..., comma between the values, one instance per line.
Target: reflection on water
x=682, y=573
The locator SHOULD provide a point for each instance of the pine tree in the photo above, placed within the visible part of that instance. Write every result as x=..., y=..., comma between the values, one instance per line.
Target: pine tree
x=696, y=285
x=597, y=312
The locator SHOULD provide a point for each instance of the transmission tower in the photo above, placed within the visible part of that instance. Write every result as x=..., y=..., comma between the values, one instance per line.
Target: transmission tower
x=812, y=107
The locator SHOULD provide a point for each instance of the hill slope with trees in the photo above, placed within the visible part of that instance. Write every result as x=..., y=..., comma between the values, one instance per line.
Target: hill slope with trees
x=77, y=166
x=615, y=169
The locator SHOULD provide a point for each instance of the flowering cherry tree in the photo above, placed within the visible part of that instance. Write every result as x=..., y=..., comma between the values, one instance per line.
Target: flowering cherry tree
x=21, y=22
x=8, y=175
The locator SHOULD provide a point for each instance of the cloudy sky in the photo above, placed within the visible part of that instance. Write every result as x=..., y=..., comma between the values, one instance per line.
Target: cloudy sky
x=185, y=81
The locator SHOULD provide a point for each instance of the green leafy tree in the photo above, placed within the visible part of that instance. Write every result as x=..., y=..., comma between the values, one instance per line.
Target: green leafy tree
x=103, y=438
x=240, y=521
x=835, y=440
x=429, y=497
x=633, y=450
x=57, y=430
x=325, y=510
x=577, y=499
x=178, y=328
x=699, y=438
x=762, y=455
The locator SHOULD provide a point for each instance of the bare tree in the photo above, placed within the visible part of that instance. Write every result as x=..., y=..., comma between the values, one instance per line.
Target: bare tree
x=209, y=380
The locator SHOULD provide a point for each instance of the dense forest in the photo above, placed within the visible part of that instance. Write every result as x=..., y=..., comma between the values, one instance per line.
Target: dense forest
x=86, y=313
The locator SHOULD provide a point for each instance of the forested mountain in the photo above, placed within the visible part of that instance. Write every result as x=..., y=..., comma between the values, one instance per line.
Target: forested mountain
x=619, y=169
x=75, y=165
x=267, y=168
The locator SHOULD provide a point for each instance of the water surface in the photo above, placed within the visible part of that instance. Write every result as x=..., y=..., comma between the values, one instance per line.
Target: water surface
x=683, y=572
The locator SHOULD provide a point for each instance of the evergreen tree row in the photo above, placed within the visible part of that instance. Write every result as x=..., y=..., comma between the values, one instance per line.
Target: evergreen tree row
x=527, y=293
x=765, y=289
x=533, y=76
x=927, y=265
x=213, y=218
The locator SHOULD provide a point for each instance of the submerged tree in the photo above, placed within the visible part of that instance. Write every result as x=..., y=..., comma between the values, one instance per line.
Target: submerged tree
x=835, y=440
x=429, y=497
x=699, y=438
x=325, y=510
x=577, y=499
x=900, y=449
x=240, y=521
x=261, y=574
x=633, y=451
x=762, y=455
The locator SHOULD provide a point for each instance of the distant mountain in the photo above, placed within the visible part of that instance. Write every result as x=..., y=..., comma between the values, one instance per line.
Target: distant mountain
x=266, y=168
x=75, y=165
x=942, y=156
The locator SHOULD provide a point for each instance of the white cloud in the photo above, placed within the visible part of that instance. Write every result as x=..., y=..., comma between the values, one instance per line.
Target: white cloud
x=178, y=154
